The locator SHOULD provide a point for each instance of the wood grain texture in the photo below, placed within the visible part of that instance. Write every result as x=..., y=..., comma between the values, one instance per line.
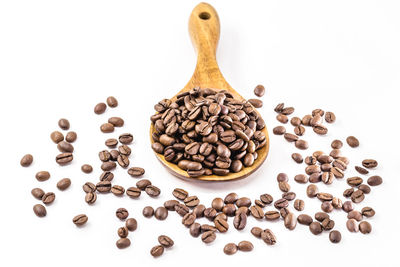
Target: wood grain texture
x=204, y=30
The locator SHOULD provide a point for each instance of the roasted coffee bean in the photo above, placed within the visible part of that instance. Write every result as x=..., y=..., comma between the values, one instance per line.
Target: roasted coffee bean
x=281, y=203
x=306, y=120
x=63, y=184
x=123, y=232
x=64, y=146
x=352, y=141
x=195, y=229
x=180, y=193
x=298, y=158
x=338, y=173
x=301, y=144
x=107, y=128
x=288, y=110
x=330, y=117
x=279, y=130
x=295, y=121
x=354, y=181
x=64, y=158
x=90, y=198
x=157, y=147
x=48, y=198
x=208, y=237
x=316, y=120
x=56, y=137
x=191, y=201
x=374, y=180
x=290, y=137
x=217, y=204
x=142, y=184
x=89, y=187
x=304, y=219
x=257, y=103
x=361, y=170
x=299, y=130
x=124, y=150
x=327, y=224
x=324, y=196
x=365, y=227
x=236, y=166
x=368, y=212
x=157, y=251
x=243, y=209
x=104, y=155
x=259, y=90
x=103, y=186
x=326, y=167
x=320, y=216
x=199, y=210
x=42, y=176
x=312, y=169
x=117, y=190
x=63, y=124
x=301, y=178
x=245, y=246
x=221, y=225
x=336, y=144
x=299, y=204
x=165, y=241
x=170, y=204
x=271, y=215
x=282, y=177
x=181, y=209
x=324, y=158
x=256, y=231
x=337, y=203
x=266, y=198
x=116, y=121
x=256, y=212
x=352, y=225
x=123, y=161
x=71, y=137
x=153, y=191
x=100, y=108
x=123, y=243
x=340, y=164
x=125, y=138
x=327, y=206
x=136, y=171
x=284, y=186
x=240, y=220
x=108, y=166
x=268, y=237
x=347, y=206
x=133, y=192
x=210, y=213
x=279, y=107
x=335, y=236
x=357, y=196
x=80, y=219
x=243, y=202
x=365, y=188
x=289, y=196
x=26, y=160
x=315, y=177
x=122, y=213
x=312, y=190
x=369, y=163
x=112, y=102
x=290, y=221
x=39, y=210
x=86, y=168
x=354, y=214
x=111, y=142
x=320, y=129
x=106, y=176
x=161, y=213
x=37, y=193
x=282, y=118
x=148, y=212
x=315, y=228
x=207, y=227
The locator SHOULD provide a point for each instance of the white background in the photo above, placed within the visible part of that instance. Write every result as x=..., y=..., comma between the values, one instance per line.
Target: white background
x=60, y=58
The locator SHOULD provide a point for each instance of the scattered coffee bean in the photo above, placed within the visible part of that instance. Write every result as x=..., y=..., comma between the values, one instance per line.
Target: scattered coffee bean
x=327, y=206
x=357, y=196
x=122, y=213
x=86, y=168
x=195, y=229
x=279, y=130
x=64, y=146
x=337, y=144
x=80, y=219
x=352, y=225
x=320, y=129
x=374, y=180
x=208, y=237
x=64, y=158
x=48, y=198
x=301, y=144
x=133, y=192
x=108, y=166
x=304, y=219
x=327, y=224
x=107, y=128
x=369, y=163
x=148, y=212
x=123, y=161
x=42, y=176
x=116, y=121
x=123, y=232
x=282, y=118
x=330, y=117
x=111, y=142
x=125, y=138
x=240, y=221
x=257, y=103
x=165, y=241
x=299, y=204
x=354, y=181
x=230, y=249
x=271, y=215
x=266, y=198
x=259, y=90
x=365, y=227
x=39, y=210
x=89, y=187
x=368, y=212
x=112, y=102
x=198, y=210
x=354, y=214
x=315, y=228
x=347, y=206
x=157, y=251
x=63, y=184
x=26, y=160
x=63, y=124
x=335, y=236
x=188, y=219
x=123, y=243
x=100, y=108
x=117, y=190
x=90, y=198
x=301, y=178
x=352, y=141
x=320, y=216
x=290, y=221
x=245, y=246
x=312, y=190
x=298, y=158
x=71, y=137
x=299, y=130
x=284, y=186
x=365, y=188
x=37, y=193
x=268, y=237
x=361, y=170
x=56, y=137
x=161, y=213
x=152, y=191
x=256, y=231
x=136, y=171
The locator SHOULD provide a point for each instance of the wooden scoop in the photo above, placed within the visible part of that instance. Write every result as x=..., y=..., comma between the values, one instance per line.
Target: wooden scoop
x=204, y=31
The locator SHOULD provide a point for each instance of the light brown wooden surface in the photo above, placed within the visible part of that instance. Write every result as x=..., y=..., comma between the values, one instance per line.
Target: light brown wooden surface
x=204, y=30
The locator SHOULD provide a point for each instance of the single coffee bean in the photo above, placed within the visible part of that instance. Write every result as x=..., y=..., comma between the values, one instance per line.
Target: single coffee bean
x=288, y=110
x=122, y=213
x=282, y=177
x=295, y=121
x=290, y=221
x=369, y=163
x=282, y=118
x=210, y=213
x=152, y=191
x=299, y=130
x=338, y=173
x=266, y=198
x=165, y=241
x=290, y=137
x=64, y=146
x=259, y=90
x=327, y=224
x=336, y=144
x=125, y=138
x=195, y=229
x=347, y=206
x=191, y=201
x=301, y=178
x=354, y=214
x=142, y=184
x=64, y=158
x=180, y=193
x=284, y=186
x=289, y=196
x=257, y=103
x=327, y=206
x=279, y=107
x=306, y=120
x=365, y=188
x=63, y=184
x=230, y=249
x=256, y=212
x=312, y=190
x=100, y=108
x=71, y=137
x=63, y=124
x=320, y=216
x=352, y=141
x=320, y=129
x=330, y=117
x=112, y=102
x=89, y=187
x=279, y=130
x=243, y=202
x=281, y=203
x=374, y=180
x=133, y=192
x=337, y=203
x=361, y=170
x=123, y=161
x=240, y=220
x=324, y=196
x=208, y=237
x=298, y=158
x=335, y=236
x=221, y=224
x=301, y=144
x=198, y=210
x=56, y=137
x=207, y=227
x=86, y=168
x=123, y=243
x=48, y=198
x=42, y=176
x=117, y=190
x=26, y=160
x=315, y=178
x=181, y=209
x=354, y=181
x=245, y=246
x=107, y=128
x=123, y=232
x=357, y=196
x=272, y=215
x=217, y=204
x=188, y=219
x=90, y=198
x=161, y=213
x=103, y=187
x=104, y=155
x=268, y=237
x=106, y=176
x=256, y=231
x=299, y=204
x=148, y=212
x=37, y=193
x=136, y=171
x=39, y=210
x=352, y=225
x=111, y=142
x=116, y=121
x=365, y=227
x=315, y=228
x=304, y=219
x=80, y=219
x=368, y=212
x=108, y=166
x=312, y=169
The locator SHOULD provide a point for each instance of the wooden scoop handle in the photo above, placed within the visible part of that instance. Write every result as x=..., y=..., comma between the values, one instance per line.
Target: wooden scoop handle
x=204, y=31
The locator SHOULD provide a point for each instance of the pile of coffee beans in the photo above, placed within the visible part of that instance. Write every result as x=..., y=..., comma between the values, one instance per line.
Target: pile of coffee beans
x=207, y=132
